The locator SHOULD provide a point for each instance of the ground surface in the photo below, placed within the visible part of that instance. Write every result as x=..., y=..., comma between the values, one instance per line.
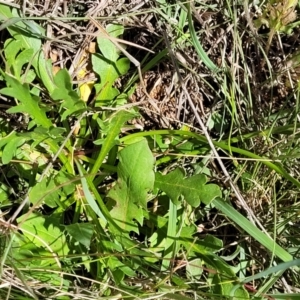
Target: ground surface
x=150, y=150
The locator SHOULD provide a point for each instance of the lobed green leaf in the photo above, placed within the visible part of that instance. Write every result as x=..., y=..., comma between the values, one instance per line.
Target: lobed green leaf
x=135, y=180
x=194, y=189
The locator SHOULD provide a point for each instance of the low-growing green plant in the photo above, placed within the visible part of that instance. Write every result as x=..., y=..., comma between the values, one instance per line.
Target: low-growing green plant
x=117, y=217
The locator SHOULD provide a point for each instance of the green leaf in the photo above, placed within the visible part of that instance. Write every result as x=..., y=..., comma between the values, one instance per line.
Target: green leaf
x=38, y=136
x=108, y=66
x=106, y=93
x=116, y=121
x=194, y=189
x=135, y=179
x=29, y=34
x=44, y=231
x=194, y=268
x=123, y=65
x=65, y=180
x=7, y=139
x=63, y=91
x=28, y=103
x=108, y=71
x=107, y=48
x=82, y=233
x=11, y=49
x=63, y=83
x=240, y=293
x=28, y=77
x=11, y=147
x=212, y=244
x=223, y=287
x=29, y=254
x=23, y=58
x=44, y=192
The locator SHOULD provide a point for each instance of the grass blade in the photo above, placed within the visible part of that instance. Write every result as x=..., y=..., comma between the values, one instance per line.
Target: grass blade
x=89, y=198
x=246, y=225
x=273, y=270
x=202, y=54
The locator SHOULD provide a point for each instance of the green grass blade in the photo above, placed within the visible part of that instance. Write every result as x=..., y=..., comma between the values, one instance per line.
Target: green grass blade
x=284, y=296
x=8, y=22
x=202, y=54
x=273, y=270
x=171, y=234
x=89, y=198
x=115, y=126
x=246, y=225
